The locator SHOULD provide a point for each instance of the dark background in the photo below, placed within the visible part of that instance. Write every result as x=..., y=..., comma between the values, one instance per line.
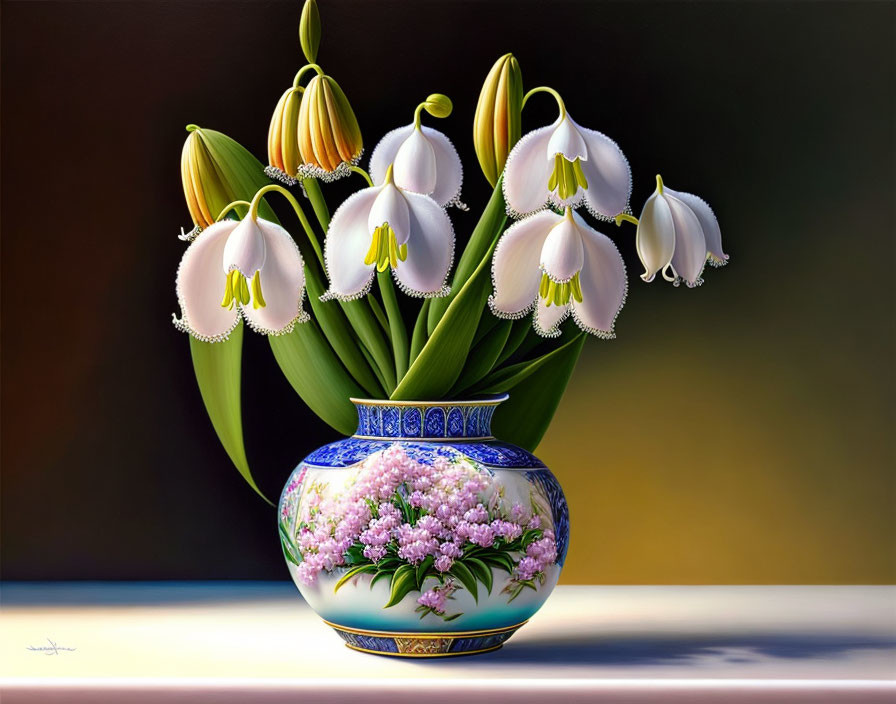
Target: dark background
x=778, y=372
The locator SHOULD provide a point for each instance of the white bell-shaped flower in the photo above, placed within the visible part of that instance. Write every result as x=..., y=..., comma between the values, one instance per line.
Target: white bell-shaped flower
x=563, y=165
x=677, y=235
x=257, y=267
x=559, y=266
x=385, y=226
x=423, y=161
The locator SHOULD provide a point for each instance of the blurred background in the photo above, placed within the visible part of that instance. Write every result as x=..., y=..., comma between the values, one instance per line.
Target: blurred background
x=742, y=432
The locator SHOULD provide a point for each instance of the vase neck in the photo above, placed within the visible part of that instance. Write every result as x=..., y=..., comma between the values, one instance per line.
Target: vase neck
x=426, y=420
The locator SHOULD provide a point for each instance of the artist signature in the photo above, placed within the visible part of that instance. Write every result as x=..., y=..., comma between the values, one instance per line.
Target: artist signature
x=52, y=649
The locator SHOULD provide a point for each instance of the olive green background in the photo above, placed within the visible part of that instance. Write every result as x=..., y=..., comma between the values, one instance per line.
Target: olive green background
x=742, y=432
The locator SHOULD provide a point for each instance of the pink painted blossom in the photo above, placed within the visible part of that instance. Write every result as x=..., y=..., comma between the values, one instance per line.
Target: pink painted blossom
x=443, y=563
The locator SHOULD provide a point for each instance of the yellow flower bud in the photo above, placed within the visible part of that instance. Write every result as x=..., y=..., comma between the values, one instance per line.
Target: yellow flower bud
x=309, y=30
x=204, y=189
x=216, y=171
x=329, y=136
x=438, y=105
x=283, y=139
x=497, y=124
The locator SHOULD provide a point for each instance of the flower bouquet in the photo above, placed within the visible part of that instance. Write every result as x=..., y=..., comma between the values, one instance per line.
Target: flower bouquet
x=426, y=499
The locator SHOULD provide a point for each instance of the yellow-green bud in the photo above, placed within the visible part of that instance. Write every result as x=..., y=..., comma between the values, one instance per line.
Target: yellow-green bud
x=438, y=105
x=498, y=120
x=216, y=171
x=309, y=30
x=329, y=135
x=283, y=138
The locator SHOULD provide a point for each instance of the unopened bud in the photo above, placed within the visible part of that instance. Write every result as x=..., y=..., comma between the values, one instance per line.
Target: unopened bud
x=498, y=120
x=283, y=139
x=309, y=30
x=329, y=135
x=438, y=105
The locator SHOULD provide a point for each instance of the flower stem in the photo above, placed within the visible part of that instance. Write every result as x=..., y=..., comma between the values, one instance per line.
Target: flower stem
x=546, y=89
x=396, y=324
x=231, y=206
x=303, y=71
x=362, y=172
x=309, y=231
x=318, y=204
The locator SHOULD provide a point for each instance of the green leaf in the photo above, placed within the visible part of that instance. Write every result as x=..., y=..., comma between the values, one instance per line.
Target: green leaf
x=462, y=572
x=421, y=570
x=381, y=574
x=397, y=330
x=483, y=356
x=440, y=362
x=419, y=336
x=370, y=333
x=403, y=583
x=218, y=373
x=524, y=418
x=501, y=561
x=518, y=333
x=503, y=380
x=316, y=374
x=490, y=225
x=361, y=569
x=289, y=548
x=339, y=333
x=452, y=617
x=481, y=571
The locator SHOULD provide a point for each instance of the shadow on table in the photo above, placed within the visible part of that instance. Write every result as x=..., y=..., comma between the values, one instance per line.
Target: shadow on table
x=684, y=651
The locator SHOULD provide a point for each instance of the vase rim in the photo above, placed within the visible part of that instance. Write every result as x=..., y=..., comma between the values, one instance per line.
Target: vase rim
x=492, y=400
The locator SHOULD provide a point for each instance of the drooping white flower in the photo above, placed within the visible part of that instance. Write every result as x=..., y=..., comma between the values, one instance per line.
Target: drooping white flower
x=250, y=268
x=385, y=226
x=678, y=232
x=423, y=160
x=565, y=164
x=558, y=265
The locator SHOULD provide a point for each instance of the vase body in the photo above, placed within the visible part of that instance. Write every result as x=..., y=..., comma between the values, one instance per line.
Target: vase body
x=423, y=535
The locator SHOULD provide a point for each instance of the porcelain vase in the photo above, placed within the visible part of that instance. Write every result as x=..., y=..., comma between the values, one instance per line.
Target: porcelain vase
x=422, y=535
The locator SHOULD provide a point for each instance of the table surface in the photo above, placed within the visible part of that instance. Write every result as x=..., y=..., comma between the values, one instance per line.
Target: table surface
x=259, y=642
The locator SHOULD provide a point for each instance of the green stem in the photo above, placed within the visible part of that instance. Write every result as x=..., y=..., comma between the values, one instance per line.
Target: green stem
x=318, y=204
x=396, y=324
x=309, y=231
x=302, y=71
x=419, y=337
x=546, y=89
x=231, y=206
x=378, y=312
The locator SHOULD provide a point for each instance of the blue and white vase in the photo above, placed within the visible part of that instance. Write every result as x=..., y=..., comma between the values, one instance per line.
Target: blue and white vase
x=422, y=535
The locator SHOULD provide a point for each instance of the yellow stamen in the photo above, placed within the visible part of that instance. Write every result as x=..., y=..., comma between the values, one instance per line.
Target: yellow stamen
x=567, y=177
x=227, y=302
x=244, y=290
x=384, y=249
x=257, y=299
x=556, y=294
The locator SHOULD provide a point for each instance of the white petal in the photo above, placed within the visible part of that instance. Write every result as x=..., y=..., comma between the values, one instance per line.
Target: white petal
x=547, y=318
x=282, y=284
x=390, y=207
x=347, y=243
x=690, y=244
x=415, y=164
x=711, y=231
x=245, y=249
x=608, y=174
x=655, y=239
x=449, y=170
x=527, y=172
x=567, y=141
x=201, y=283
x=604, y=284
x=562, y=255
x=385, y=151
x=515, y=265
x=430, y=249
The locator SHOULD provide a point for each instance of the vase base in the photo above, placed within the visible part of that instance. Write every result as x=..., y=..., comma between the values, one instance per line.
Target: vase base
x=424, y=645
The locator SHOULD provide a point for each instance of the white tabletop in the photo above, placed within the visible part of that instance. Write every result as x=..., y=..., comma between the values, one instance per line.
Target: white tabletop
x=259, y=642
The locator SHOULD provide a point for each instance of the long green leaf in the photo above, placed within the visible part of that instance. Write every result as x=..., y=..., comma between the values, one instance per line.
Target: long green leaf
x=354, y=572
x=503, y=380
x=462, y=572
x=518, y=333
x=404, y=581
x=481, y=241
x=421, y=570
x=397, y=330
x=370, y=333
x=340, y=335
x=218, y=373
x=524, y=418
x=442, y=358
x=481, y=571
x=483, y=357
x=317, y=375
x=419, y=336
